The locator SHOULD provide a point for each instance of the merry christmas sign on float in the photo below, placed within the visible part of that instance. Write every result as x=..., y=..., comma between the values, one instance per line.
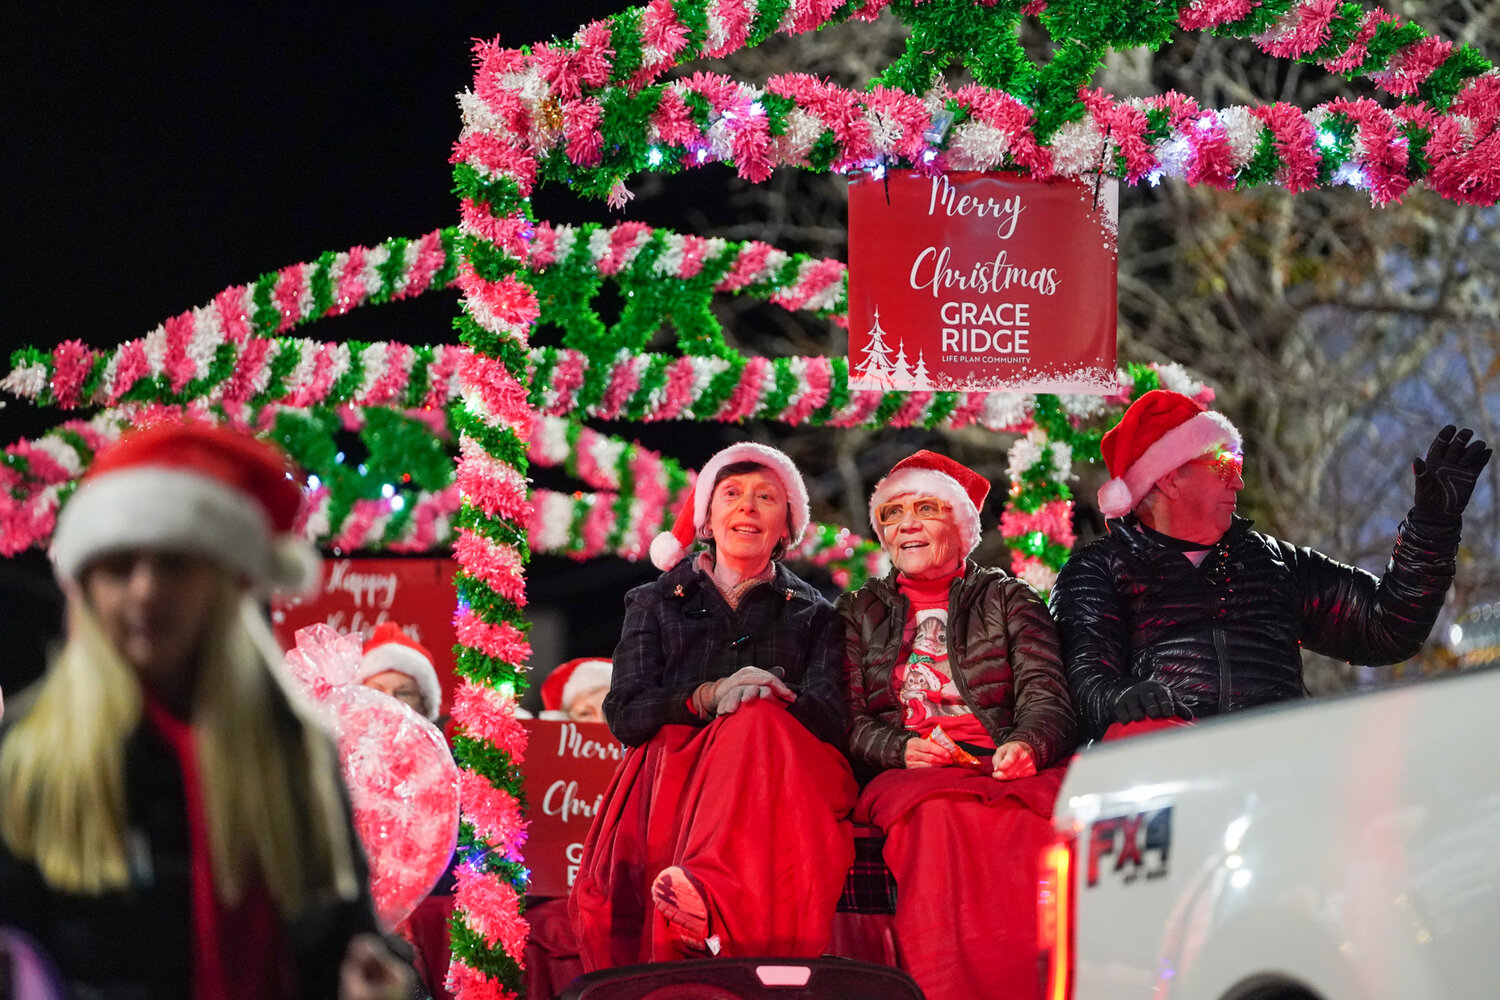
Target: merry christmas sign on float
x=982, y=281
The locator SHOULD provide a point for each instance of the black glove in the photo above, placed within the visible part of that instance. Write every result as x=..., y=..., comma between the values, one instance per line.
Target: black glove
x=1148, y=700
x=1446, y=478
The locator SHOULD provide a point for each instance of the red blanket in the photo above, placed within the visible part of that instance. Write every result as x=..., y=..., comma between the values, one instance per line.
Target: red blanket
x=963, y=848
x=753, y=806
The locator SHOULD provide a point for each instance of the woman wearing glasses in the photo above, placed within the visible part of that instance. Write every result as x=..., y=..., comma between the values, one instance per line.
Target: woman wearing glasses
x=959, y=702
x=725, y=830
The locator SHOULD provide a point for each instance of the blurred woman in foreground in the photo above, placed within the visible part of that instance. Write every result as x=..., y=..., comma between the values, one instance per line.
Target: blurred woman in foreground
x=171, y=823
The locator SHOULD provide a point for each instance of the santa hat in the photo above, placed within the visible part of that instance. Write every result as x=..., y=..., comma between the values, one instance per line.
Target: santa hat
x=1160, y=432
x=390, y=648
x=195, y=488
x=669, y=546
x=573, y=678
x=927, y=473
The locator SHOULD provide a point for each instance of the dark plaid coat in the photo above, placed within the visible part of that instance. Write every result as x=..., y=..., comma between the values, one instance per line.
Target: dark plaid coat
x=679, y=632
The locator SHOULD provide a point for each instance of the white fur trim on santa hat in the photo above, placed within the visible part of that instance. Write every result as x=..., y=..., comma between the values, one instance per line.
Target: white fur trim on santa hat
x=930, y=482
x=779, y=464
x=404, y=660
x=1195, y=436
x=154, y=507
x=586, y=677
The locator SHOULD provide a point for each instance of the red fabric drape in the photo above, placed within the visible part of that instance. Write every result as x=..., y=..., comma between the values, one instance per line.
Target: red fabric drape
x=1125, y=730
x=426, y=930
x=963, y=848
x=753, y=806
x=552, y=960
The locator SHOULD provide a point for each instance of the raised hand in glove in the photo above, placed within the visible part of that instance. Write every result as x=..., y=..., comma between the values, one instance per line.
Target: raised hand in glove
x=1446, y=477
x=1148, y=700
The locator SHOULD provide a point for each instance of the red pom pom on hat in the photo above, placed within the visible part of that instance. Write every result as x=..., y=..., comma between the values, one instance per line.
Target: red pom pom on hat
x=1160, y=432
x=190, y=487
x=389, y=647
x=927, y=472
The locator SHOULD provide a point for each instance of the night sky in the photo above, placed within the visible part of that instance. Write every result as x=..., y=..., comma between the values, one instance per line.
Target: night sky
x=155, y=156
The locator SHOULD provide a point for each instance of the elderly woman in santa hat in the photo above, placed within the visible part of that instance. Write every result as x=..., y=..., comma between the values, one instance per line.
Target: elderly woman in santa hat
x=171, y=823
x=396, y=664
x=960, y=709
x=726, y=828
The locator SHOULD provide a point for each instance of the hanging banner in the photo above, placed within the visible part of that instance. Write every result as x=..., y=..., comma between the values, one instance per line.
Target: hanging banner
x=566, y=771
x=975, y=281
x=355, y=595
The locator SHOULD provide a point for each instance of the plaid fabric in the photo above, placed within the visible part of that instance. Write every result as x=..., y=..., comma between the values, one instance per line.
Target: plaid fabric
x=869, y=887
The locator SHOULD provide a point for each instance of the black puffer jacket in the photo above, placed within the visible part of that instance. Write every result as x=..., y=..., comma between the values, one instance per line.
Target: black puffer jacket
x=1225, y=635
x=1004, y=649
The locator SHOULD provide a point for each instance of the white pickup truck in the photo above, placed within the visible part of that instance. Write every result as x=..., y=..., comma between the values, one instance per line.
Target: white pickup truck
x=1338, y=849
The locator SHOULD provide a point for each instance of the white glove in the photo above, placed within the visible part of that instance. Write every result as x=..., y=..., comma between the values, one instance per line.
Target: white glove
x=743, y=694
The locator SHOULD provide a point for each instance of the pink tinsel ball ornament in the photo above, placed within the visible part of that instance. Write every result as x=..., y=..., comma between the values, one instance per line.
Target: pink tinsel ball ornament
x=403, y=783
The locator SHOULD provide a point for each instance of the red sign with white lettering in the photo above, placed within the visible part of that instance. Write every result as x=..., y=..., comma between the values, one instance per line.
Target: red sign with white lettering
x=355, y=595
x=567, y=769
x=973, y=281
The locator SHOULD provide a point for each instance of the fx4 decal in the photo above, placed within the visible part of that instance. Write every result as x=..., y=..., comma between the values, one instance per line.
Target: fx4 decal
x=1131, y=846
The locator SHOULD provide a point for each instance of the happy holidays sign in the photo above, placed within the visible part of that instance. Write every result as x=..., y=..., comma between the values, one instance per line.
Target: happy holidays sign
x=975, y=281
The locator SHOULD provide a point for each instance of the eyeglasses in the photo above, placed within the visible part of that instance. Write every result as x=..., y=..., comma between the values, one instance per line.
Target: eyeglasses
x=922, y=508
x=1229, y=465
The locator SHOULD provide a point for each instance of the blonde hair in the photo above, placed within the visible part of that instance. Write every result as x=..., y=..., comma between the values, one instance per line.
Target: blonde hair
x=269, y=780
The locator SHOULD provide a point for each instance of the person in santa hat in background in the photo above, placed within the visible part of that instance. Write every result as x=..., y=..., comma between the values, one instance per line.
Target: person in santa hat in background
x=960, y=710
x=400, y=666
x=575, y=690
x=396, y=664
x=171, y=823
x=1181, y=611
x=726, y=827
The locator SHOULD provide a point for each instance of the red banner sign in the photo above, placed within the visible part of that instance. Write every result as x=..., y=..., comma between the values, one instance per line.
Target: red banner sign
x=977, y=281
x=355, y=595
x=568, y=767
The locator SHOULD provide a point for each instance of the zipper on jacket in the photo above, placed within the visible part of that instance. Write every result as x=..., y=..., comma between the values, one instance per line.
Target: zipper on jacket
x=1221, y=647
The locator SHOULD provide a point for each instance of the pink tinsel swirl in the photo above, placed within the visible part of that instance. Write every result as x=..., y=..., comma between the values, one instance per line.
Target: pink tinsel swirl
x=745, y=398
x=486, y=713
x=492, y=909
x=494, y=813
x=497, y=565
x=497, y=158
x=1053, y=519
x=1301, y=30
x=489, y=484
x=468, y=983
x=1412, y=64
x=506, y=401
x=1296, y=144
x=581, y=130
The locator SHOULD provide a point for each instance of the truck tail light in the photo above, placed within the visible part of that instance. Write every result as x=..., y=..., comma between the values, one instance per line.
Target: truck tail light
x=1055, y=900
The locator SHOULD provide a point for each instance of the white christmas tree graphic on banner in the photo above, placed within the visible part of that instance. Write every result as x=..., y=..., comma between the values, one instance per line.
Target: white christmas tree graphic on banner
x=879, y=370
x=876, y=370
x=919, y=377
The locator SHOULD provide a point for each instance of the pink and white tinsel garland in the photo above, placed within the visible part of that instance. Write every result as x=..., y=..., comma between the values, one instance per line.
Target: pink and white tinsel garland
x=388, y=368
x=820, y=287
x=1201, y=146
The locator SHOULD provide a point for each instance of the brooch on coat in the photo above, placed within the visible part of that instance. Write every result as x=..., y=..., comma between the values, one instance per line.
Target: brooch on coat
x=677, y=591
x=789, y=593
